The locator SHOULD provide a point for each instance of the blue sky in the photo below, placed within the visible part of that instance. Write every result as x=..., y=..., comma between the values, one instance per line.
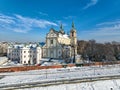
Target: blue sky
x=30, y=20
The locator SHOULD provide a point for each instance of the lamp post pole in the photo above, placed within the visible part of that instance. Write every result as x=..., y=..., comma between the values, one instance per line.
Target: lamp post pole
x=63, y=54
x=73, y=53
x=62, y=51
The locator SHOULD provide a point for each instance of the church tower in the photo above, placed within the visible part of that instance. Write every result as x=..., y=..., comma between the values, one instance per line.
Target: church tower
x=61, y=29
x=73, y=37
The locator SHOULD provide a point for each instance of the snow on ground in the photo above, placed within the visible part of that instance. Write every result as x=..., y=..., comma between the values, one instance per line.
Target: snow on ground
x=10, y=64
x=44, y=62
x=50, y=62
x=96, y=85
x=58, y=74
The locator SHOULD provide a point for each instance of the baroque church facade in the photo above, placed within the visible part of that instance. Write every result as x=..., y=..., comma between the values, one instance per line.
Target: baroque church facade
x=60, y=45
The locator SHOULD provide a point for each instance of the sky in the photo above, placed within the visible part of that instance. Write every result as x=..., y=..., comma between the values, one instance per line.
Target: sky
x=31, y=20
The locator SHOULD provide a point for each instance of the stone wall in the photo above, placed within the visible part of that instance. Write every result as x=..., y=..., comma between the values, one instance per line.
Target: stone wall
x=26, y=68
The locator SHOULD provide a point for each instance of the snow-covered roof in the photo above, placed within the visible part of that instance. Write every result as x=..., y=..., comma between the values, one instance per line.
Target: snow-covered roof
x=23, y=46
x=63, y=36
x=3, y=58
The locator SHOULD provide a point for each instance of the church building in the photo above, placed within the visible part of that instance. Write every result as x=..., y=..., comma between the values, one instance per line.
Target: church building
x=60, y=45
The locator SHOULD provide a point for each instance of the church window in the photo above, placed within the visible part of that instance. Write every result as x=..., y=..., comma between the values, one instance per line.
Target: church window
x=72, y=34
x=51, y=41
x=59, y=52
x=51, y=51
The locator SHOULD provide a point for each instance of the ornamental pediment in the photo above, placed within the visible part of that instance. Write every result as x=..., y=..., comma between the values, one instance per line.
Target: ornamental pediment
x=65, y=41
x=52, y=33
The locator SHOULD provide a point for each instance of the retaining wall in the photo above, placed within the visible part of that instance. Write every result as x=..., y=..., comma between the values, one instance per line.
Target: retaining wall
x=26, y=68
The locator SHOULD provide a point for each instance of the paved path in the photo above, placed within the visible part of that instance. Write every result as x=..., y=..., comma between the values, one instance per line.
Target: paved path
x=57, y=82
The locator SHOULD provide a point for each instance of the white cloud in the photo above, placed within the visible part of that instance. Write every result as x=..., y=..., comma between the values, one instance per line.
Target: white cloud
x=20, y=31
x=6, y=19
x=91, y=3
x=104, y=32
x=109, y=23
x=69, y=17
x=106, y=29
x=44, y=14
x=18, y=23
x=61, y=22
x=109, y=26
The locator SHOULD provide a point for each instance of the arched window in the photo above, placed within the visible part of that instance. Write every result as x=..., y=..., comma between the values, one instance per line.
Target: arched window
x=24, y=62
x=72, y=34
x=51, y=41
x=59, y=52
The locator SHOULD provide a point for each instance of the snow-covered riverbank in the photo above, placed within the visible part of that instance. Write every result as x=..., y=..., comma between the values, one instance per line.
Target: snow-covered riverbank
x=58, y=74
x=96, y=85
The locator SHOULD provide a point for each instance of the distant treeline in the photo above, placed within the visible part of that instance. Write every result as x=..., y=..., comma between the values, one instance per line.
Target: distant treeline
x=109, y=51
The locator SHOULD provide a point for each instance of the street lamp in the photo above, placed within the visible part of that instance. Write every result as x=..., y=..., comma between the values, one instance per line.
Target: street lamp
x=63, y=50
x=73, y=46
x=74, y=55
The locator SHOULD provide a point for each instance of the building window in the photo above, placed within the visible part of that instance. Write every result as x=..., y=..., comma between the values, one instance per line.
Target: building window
x=24, y=61
x=51, y=51
x=24, y=56
x=59, y=52
x=24, y=51
x=29, y=62
x=51, y=41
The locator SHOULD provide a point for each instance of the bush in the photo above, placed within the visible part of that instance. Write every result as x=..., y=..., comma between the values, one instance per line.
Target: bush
x=78, y=65
x=64, y=65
